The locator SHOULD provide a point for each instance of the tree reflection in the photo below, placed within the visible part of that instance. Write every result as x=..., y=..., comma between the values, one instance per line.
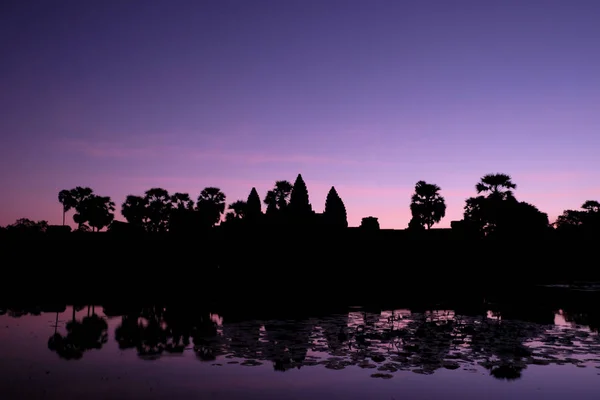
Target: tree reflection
x=144, y=331
x=89, y=333
x=499, y=346
x=207, y=345
x=157, y=329
x=384, y=341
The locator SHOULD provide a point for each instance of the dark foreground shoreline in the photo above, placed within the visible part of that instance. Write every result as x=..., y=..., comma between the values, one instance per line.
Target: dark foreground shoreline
x=297, y=269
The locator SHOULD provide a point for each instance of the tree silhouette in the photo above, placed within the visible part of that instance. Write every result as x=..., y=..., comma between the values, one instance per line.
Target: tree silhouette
x=483, y=213
x=592, y=216
x=476, y=215
x=335, y=211
x=493, y=212
x=520, y=219
x=282, y=190
x=75, y=199
x=577, y=222
x=570, y=219
x=496, y=185
x=82, y=227
x=27, y=226
x=271, y=202
x=427, y=205
x=65, y=197
x=79, y=194
x=211, y=204
x=500, y=214
x=97, y=211
x=238, y=209
x=134, y=209
x=277, y=200
x=591, y=206
x=183, y=216
x=237, y=213
x=158, y=209
x=416, y=224
x=253, y=206
x=182, y=201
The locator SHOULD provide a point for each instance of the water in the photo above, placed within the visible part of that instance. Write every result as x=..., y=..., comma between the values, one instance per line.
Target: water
x=359, y=354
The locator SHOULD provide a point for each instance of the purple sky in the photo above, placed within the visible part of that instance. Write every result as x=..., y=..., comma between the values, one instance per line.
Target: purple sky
x=370, y=96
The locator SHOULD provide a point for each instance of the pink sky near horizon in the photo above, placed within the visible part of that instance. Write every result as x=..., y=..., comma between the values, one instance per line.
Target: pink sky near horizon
x=385, y=199
x=366, y=96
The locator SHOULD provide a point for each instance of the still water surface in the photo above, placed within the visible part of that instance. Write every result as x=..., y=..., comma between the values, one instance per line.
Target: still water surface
x=183, y=353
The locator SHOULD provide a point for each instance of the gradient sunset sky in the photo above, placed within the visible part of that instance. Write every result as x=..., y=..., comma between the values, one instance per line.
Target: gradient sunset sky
x=370, y=96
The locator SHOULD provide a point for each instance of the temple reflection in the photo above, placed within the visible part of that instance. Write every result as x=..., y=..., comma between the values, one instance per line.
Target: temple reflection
x=502, y=341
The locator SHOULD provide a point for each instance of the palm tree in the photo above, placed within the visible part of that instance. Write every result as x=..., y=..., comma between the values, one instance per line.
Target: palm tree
x=271, y=202
x=497, y=185
x=239, y=209
x=98, y=211
x=94, y=331
x=283, y=190
x=278, y=197
x=134, y=209
x=65, y=198
x=74, y=198
x=211, y=203
x=158, y=208
x=427, y=205
x=69, y=347
x=182, y=201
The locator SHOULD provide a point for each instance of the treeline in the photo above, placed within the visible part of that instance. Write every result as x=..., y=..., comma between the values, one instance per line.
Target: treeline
x=494, y=212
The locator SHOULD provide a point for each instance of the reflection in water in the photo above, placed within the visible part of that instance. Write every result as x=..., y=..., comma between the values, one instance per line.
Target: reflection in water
x=89, y=333
x=384, y=343
x=154, y=330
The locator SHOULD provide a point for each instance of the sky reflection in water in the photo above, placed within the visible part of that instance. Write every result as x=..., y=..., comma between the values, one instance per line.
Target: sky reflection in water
x=158, y=353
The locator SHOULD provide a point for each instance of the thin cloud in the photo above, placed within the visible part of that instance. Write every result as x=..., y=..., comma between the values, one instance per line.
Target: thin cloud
x=109, y=149
x=105, y=149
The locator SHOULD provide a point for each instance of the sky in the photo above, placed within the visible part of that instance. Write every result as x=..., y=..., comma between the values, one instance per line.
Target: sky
x=368, y=96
